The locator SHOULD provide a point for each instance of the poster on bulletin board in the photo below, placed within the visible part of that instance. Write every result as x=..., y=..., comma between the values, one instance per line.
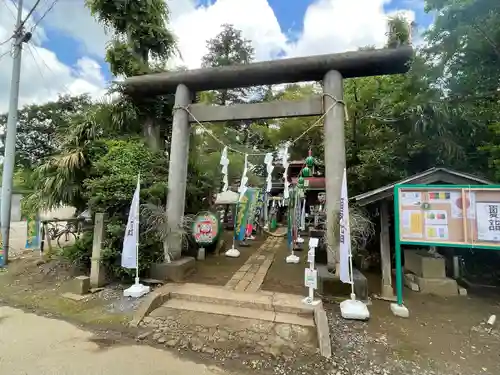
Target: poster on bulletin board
x=448, y=215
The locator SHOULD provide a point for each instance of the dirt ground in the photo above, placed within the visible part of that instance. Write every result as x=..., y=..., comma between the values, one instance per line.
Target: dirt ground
x=38, y=286
x=219, y=270
x=443, y=336
x=449, y=335
x=286, y=278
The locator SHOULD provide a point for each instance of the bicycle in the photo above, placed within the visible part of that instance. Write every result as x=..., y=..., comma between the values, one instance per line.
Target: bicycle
x=53, y=230
x=70, y=230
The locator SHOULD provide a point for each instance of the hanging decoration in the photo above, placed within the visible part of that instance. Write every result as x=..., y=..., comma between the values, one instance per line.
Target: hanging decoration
x=307, y=171
x=292, y=222
x=244, y=179
x=224, y=161
x=286, y=191
x=268, y=161
x=297, y=209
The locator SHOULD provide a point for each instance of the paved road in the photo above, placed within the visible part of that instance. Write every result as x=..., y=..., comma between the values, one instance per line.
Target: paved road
x=34, y=345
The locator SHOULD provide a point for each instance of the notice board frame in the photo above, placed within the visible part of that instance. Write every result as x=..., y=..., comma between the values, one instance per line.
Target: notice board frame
x=397, y=227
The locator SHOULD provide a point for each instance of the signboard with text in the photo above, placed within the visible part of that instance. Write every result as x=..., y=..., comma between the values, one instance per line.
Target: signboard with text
x=448, y=215
x=445, y=215
x=206, y=228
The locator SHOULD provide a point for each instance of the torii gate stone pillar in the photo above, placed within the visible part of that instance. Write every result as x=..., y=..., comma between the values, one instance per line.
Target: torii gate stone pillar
x=177, y=172
x=334, y=139
x=331, y=68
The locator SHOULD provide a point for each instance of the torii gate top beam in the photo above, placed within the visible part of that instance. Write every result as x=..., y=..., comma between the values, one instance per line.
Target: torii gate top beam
x=313, y=68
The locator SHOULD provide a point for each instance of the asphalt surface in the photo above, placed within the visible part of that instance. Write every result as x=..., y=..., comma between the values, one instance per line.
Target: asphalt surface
x=35, y=345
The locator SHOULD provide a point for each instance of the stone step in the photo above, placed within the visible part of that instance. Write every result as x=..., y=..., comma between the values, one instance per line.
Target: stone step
x=233, y=311
x=261, y=300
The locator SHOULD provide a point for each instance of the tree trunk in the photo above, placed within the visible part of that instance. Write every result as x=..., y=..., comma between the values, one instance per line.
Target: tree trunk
x=152, y=134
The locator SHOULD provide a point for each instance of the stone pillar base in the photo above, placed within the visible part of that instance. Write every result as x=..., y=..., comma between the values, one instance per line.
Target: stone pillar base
x=176, y=271
x=387, y=293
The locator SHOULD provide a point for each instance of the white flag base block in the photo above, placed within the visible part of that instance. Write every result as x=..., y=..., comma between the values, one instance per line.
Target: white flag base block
x=292, y=259
x=354, y=309
x=232, y=253
x=400, y=310
x=311, y=302
x=136, y=291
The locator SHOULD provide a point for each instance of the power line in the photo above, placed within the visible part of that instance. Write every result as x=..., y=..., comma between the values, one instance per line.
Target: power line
x=28, y=16
x=30, y=50
x=4, y=54
x=68, y=92
x=51, y=6
x=13, y=15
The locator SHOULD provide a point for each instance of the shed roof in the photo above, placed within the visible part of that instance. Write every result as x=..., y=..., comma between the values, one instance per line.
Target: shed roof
x=430, y=176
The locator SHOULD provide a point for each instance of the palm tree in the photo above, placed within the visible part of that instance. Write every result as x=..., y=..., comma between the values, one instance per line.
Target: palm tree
x=59, y=180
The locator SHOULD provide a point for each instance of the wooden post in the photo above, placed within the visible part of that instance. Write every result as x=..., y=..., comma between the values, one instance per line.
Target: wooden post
x=385, y=252
x=48, y=254
x=97, y=271
x=464, y=217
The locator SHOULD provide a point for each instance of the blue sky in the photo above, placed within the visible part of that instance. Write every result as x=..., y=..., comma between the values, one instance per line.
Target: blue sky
x=289, y=13
x=290, y=16
x=67, y=54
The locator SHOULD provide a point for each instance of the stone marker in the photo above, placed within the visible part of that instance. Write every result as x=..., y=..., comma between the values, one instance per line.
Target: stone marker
x=97, y=271
x=201, y=254
x=80, y=285
x=176, y=270
x=424, y=264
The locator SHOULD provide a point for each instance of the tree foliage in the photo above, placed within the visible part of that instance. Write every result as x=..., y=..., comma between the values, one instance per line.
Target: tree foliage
x=38, y=127
x=443, y=112
x=229, y=47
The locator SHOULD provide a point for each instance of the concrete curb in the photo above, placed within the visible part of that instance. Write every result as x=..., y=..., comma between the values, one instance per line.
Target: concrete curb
x=323, y=330
x=152, y=302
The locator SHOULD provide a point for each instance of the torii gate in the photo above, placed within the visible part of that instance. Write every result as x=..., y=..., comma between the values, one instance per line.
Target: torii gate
x=331, y=69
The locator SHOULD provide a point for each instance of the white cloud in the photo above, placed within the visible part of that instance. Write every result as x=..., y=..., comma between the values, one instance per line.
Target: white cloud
x=194, y=26
x=328, y=26
x=43, y=75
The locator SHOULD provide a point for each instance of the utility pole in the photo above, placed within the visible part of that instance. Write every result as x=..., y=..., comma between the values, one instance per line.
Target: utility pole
x=9, y=160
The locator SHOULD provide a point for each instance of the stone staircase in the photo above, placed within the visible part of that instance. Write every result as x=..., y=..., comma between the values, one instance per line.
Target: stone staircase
x=265, y=321
x=267, y=306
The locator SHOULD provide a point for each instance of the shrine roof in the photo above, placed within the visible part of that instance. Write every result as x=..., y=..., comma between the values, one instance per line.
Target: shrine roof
x=430, y=176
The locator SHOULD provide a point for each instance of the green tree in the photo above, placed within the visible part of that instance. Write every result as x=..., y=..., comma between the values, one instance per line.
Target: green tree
x=464, y=54
x=141, y=44
x=229, y=47
x=59, y=179
x=38, y=127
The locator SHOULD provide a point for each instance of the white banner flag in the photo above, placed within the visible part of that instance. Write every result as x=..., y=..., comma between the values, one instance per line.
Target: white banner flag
x=345, y=234
x=131, y=238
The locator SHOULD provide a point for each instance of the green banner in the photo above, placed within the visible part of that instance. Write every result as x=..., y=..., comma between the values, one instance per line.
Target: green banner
x=244, y=209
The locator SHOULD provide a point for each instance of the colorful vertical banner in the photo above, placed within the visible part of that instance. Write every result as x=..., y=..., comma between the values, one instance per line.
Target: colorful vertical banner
x=243, y=213
x=32, y=233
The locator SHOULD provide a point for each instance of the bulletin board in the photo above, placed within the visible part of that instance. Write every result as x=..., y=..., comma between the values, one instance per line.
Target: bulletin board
x=445, y=215
x=448, y=215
